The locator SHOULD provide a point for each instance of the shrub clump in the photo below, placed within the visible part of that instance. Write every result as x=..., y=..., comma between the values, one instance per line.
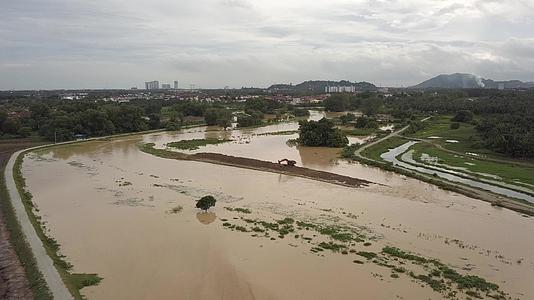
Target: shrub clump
x=206, y=202
x=322, y=133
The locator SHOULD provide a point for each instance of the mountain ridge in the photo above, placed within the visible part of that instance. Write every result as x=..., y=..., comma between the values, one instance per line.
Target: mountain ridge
x=470, y=81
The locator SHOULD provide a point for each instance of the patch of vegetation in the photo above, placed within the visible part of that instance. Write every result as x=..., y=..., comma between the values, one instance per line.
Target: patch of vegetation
x=440, y=277
x=286, y=221
x=196, y=143
x=336, y=233
x=368, y=255
x=176, y=209
x=436, y=285
x=359, y=131
x=243, y=210
x=332, y=246
x=396, y=252
x=348, y=151
x=468, y=281
x=285, y=132
x=238, y=209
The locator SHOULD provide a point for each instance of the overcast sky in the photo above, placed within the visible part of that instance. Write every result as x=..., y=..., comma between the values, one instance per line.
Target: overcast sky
x=47, y=44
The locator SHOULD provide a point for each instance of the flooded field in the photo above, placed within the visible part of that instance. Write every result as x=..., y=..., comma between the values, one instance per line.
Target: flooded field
x=131, y=217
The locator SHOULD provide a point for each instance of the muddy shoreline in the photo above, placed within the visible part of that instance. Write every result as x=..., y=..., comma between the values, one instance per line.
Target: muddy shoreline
x=260, y=165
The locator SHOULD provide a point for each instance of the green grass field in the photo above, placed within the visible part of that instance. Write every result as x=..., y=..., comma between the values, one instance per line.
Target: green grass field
x=375, y=151
x=358, y=131
x=467, y=136
x=509, y=172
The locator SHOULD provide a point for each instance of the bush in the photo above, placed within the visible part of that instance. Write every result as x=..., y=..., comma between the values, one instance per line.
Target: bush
x=455, y=125
x=321, y=133
x=206, y=202
x=463, y=116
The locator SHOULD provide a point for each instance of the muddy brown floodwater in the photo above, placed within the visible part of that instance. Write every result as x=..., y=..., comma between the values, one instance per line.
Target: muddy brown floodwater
x=131, y=217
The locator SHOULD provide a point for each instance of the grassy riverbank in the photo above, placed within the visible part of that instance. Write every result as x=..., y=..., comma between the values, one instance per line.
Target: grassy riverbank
x=374, y=152
x=73, y=281
x=8, y=217
x=195, y=144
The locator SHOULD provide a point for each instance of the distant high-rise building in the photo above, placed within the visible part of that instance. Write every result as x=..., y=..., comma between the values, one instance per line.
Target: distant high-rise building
x=176, y=84
x=165, y=86
x=340, y=89
x=152, y=85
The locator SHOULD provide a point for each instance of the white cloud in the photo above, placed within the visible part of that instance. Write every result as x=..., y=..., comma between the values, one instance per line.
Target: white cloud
x=213, y=43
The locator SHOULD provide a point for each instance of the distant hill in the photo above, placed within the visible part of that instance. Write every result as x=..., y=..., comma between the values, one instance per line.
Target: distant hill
x=470, y=81
x=318, y=86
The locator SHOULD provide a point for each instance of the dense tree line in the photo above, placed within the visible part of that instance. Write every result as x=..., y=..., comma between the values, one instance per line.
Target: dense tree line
x=503, y=119
x=370, y=104
x=509, y=134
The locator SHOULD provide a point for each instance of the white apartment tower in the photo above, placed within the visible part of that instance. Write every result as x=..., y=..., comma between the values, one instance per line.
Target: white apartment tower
x=152, y=85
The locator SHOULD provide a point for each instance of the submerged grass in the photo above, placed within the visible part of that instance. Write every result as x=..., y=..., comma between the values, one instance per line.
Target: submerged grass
x=440, y=277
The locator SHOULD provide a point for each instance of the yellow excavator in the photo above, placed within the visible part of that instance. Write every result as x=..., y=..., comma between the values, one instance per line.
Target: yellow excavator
x=289, y=163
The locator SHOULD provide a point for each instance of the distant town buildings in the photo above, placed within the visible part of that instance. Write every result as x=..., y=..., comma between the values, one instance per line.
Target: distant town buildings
x=340, y=89
x=152, y=85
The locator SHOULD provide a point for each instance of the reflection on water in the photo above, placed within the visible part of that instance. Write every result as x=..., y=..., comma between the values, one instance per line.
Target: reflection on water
x=206, y=217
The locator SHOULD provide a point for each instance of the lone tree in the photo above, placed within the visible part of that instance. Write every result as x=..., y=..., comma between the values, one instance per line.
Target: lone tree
x=206, y=202
x=464, y=116
x=322, y=133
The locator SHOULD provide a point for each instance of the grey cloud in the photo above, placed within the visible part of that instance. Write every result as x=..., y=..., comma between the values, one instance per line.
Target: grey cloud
x=213, y=43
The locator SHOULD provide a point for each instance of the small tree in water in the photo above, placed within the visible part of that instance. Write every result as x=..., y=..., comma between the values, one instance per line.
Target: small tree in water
x=206, y=202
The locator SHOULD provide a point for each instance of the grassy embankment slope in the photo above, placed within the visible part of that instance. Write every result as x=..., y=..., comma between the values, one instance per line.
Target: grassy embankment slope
x=73, y=281
x=10, y=226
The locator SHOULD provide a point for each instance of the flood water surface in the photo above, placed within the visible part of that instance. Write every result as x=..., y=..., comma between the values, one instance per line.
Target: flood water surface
x=131, y=217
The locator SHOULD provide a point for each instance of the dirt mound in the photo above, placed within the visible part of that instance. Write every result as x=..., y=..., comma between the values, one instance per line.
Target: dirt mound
x=278, y=168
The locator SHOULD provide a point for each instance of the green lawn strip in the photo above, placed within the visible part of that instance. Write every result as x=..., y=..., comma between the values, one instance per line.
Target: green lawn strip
x=507, y=171
x=467, y=137
x=374, y=152
x=284, y=132
x=73, y=281
x=22, y=248
x=195, y=143
x=359, y=131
